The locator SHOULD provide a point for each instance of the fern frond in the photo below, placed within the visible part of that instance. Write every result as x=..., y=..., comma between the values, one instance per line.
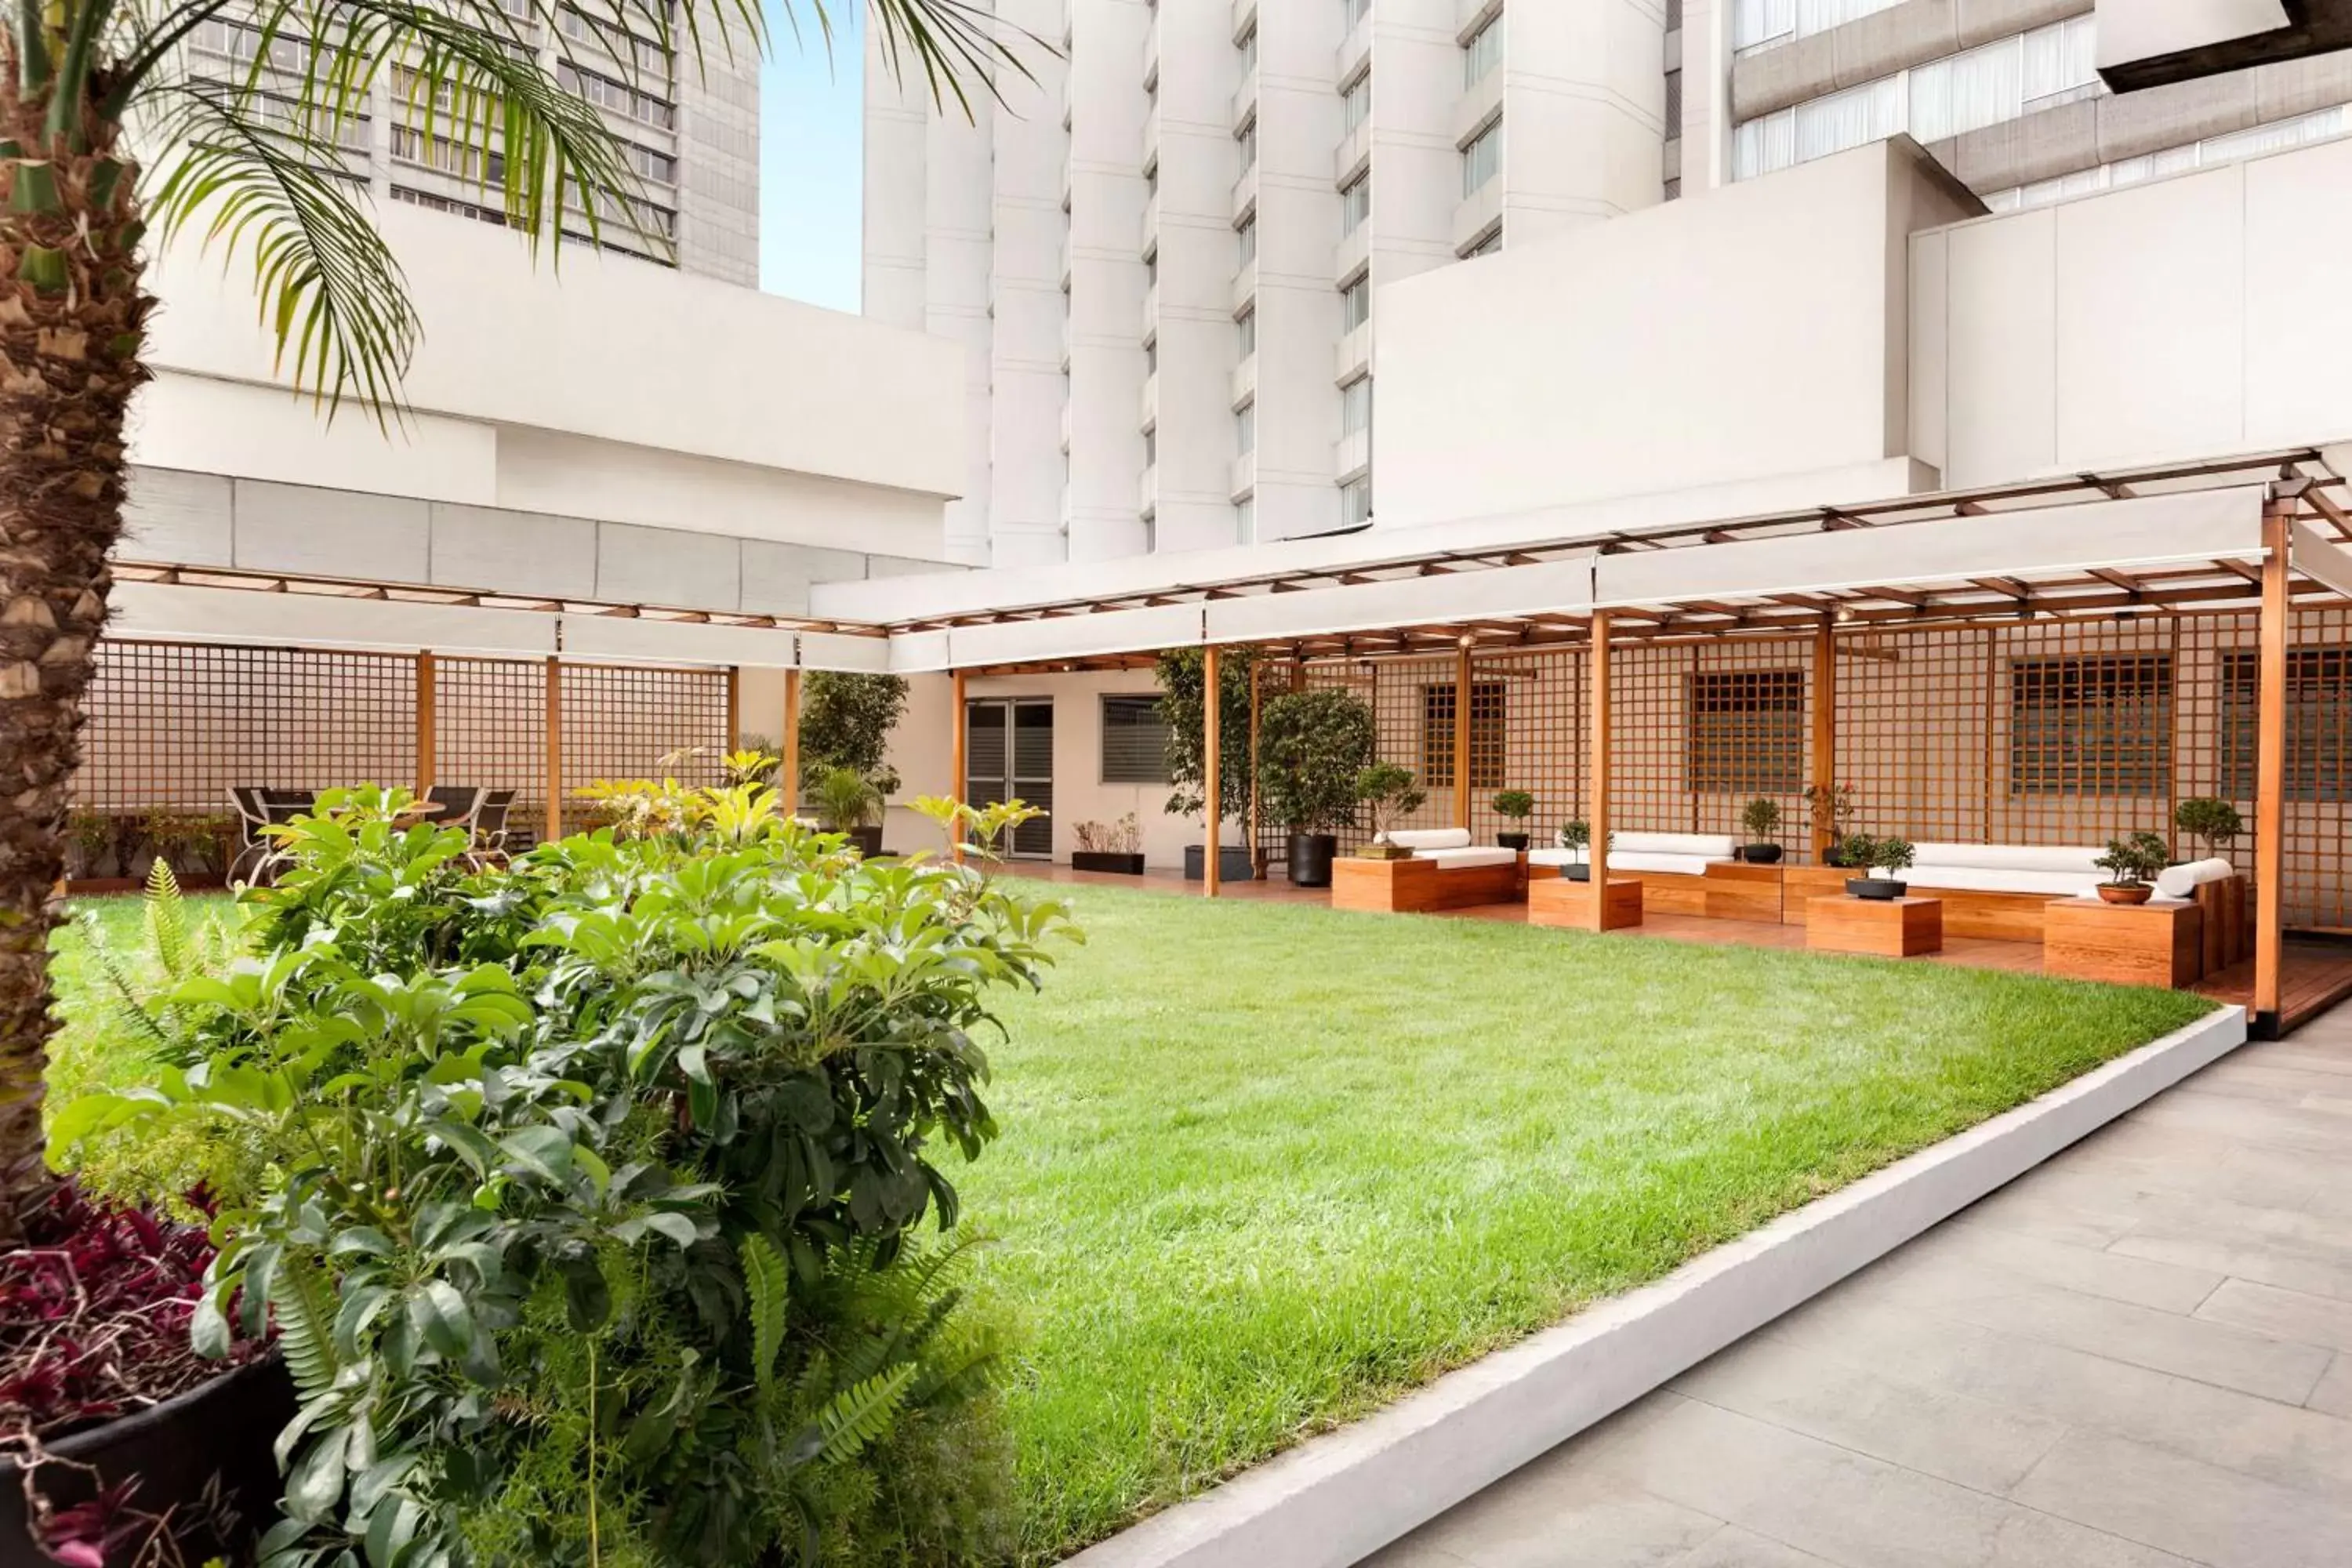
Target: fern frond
x=304, y=1302
x=167, y=922
x=860, y=1415
x=124, y=994
x=768, y=1283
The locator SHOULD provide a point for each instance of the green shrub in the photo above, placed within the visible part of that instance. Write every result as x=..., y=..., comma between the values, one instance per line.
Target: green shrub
x=2134, y=860
x=1183, y=677
x=1515, y=805
x=2210, y=818
x=1312, y=748
x=587, y=1189
x=846, y=723
x=1861, y=852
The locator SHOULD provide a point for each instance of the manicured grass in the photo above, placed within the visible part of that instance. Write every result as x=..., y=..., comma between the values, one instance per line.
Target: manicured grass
x=84, y=1056
x=1263, y=1167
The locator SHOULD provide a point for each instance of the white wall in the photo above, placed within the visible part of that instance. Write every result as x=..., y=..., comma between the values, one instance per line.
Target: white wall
x=1760, y=333
x=2184, y=318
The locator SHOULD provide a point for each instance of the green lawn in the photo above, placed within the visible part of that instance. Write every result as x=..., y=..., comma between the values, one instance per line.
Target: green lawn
x=1263, y=1166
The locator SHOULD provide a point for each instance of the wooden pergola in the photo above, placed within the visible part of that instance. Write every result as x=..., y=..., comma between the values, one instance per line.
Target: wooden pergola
x=2200, y=555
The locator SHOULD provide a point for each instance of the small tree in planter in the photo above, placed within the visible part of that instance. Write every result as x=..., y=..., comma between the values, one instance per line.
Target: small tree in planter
x=846, y=723
x=1761, y=819
x=1184, y=683
x=1575, y=836
x=2136, y=863
x=1114, y=847
x=1388, y=793
x=2212, y=821
x=1831, y=807
x=1515, y=806
x=1861, y=852
x=847, y=801
x=1312, y=748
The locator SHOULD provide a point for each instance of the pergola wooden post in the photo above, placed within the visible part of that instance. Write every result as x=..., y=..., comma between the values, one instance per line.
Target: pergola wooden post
x=1462, y=735
x=2270, y=771
x=428, y=695
x=956, y=784
x=788, y=773
x=1256, y=831
x=1597, y=809
x=555, y=749
x=734, y=707
x=1825, y=778
x=1212, y=772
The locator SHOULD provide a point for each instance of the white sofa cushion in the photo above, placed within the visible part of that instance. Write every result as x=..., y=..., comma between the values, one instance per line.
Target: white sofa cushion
x=1702, y=846
x=1431, y=837
x=2011, y=857
x=1556, y=857
x=1642, y=860
x=1992, y=879
x=1460, y=860
x=2181, y=881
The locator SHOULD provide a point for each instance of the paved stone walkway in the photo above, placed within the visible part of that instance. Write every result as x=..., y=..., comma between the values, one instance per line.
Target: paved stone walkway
x=2139, y=1355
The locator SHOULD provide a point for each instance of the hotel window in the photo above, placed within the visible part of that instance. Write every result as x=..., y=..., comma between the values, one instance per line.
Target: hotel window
x=1353, y=10
x=1675, y=102
x=2319, y=723
x=1482, y=53
x=1248, y=139
x=1355, y=204
x=1356, y=502
x=1246, y=235
x=2004, y=79
x=1134, y=742
x=1487, y=743
x=1245, y=332
x=1245, y=520
x=1151, y=358
x=1356, y=103
x=1744, y=732
x=1355, y=304
x=1245, y=428
x=1482, y=158
x=1249, y=51
x=1150, y=450
x=2099, y=725
x=1356, y=406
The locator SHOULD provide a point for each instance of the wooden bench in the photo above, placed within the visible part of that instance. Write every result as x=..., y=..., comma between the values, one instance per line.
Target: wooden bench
x=1419, y=886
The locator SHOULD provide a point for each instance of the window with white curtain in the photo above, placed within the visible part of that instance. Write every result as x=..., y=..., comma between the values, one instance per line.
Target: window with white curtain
x=1245, y=520
x=1245, y=332
x=1355, y=204
x=1483, y=53
x=2323, y=125
x=1756, y=24
x=1245, y=428
x=1356, y=103
x=1355, y=304
x=1247, y=237
x=1248, y=139
x=1356, y=406
x=1353, y=10
x=1482, y=159
x=1356, y=502
x=1857, y=116
x=1249, y=51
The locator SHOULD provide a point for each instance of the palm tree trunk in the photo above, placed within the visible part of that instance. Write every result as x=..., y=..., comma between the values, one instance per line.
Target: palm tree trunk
x=71, y=315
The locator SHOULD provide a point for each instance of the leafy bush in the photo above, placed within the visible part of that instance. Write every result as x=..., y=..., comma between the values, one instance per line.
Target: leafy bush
x=2135, y=861
x=1861, y=852
x=846, y=723
x=2207, y=818
x=1391, y=793
x=1761, y=819
x=844, y=800
x=1184, y=689
x=1312, y=748
x=584, y=1192
x=1515, y=805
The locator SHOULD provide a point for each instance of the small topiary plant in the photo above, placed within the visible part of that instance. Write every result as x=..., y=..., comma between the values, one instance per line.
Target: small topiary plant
x=1388, y=792
x=2210, y=819
x=2135, y=861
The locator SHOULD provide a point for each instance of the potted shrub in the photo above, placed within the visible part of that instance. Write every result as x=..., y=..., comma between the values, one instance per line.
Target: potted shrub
x=1575, y=835
x=1313, y=746
x=848, y=803
x=1515, y=806
x=1184, y=682
x=90, y=846
x=1388, y=793
x=1114, y=847
x=1761, y=819
x=846, y=723
x=1861, y=852
x=2135, y=862
x=1831, y=807
x=2213, y=822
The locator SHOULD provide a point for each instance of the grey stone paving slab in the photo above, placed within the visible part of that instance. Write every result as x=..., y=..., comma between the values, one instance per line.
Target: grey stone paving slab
x=2202, y=1512
x=2333, y=1394
x=1966, y=1259
x=2166, y=1342
x=2270, y=1264
x=2287, y=1314
x=1732, y=1547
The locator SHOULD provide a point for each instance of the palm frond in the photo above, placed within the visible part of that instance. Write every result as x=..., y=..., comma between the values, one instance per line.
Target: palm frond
x=949, y=40
x=331, y=295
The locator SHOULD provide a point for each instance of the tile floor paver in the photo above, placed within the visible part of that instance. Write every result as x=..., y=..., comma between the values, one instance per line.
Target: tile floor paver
x=2138, y=1355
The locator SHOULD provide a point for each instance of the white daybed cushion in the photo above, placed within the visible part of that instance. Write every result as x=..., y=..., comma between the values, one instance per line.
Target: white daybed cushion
x=1622, y=859
x=1987, y=880
x=1701, y=847
x=1556, y=857
x=1463, y=858
x=2011, y=857
x=2181, y=881
x=1430, y=838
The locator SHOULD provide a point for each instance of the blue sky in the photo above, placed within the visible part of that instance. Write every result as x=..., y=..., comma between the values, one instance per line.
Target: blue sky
x=810, y=136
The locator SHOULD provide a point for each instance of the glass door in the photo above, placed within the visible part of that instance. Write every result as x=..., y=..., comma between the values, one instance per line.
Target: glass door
x=1009, y=755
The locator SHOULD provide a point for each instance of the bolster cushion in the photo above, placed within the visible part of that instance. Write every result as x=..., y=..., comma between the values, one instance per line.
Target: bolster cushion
x=1431, y=837
x=2011, y=857
x=1622, y=859
x=1703, y=846
x=2182, y=881
x=1995, y=879
x=1463, y=858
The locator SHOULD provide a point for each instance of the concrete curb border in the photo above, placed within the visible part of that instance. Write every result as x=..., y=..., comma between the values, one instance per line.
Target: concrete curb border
x=1338, y=1497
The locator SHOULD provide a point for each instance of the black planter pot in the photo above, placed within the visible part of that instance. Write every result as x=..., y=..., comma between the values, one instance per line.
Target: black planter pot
x=1577, y=873
x=1760, y=854
x=173, y=1451
x=1879, y=888
x=1104, y=860
x=1512, y=840
x=868, y=840
x=1234, y=865
x=1310, y=858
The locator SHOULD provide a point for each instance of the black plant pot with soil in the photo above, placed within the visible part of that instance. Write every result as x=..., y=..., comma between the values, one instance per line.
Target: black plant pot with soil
x=1107, y=860
x=1310, y=858
x=1512, y=840
x=868, y=839
x=201, y=1460
x=1577, y=873
x=1234, y=865
x=1762, y=854
x=1879, y=888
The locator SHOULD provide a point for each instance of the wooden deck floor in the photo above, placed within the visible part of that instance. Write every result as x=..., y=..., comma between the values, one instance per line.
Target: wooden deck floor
x=2317, y=974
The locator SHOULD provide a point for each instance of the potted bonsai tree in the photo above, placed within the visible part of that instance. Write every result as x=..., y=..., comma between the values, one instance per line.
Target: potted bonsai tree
x=1761, y=819
x=1515, y=806
x=1388, y=793
x=1313, y=747
x=2135, y=862
x=1831, y=807
x=1183, y=685
x=847, y=801
x=1861, y=852
x=1114, y=847
x=2212, y=821
x=1575, y=835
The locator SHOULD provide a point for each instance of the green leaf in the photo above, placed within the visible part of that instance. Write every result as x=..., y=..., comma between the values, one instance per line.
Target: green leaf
x=769, y=1285
x=541, y=1152
x=316, y=1484
x=443, y=1320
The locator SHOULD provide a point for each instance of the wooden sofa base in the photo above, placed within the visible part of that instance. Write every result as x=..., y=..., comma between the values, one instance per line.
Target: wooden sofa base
x=1558, y=901
x=2147, y=944
x=1418, y=887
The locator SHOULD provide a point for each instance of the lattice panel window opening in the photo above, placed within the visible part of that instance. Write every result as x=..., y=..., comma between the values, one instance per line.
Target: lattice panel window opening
x=2090, y=724
x=1489, y=745
x=2319, y=722
x=1744, y=732
x=489, y=729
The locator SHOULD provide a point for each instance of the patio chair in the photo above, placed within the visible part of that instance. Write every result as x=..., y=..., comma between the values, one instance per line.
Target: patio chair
x=491, y=828
x=259, y=858
x=459, y=804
